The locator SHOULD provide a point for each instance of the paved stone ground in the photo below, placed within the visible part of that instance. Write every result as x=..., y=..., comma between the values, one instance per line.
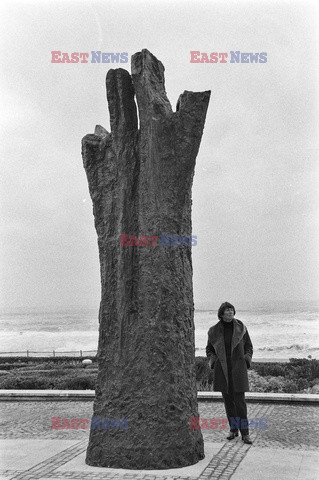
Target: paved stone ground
x=288, y=427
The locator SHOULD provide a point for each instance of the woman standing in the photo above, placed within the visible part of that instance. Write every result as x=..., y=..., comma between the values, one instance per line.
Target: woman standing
x=230, y=352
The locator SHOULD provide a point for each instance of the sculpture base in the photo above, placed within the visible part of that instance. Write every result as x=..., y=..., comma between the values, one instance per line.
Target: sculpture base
x=137, y=458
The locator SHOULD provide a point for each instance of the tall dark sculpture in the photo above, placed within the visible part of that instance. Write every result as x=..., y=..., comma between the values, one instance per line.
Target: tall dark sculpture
x=140, y=179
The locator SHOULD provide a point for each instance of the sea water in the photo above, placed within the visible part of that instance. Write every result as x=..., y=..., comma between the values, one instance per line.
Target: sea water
x=278, y=333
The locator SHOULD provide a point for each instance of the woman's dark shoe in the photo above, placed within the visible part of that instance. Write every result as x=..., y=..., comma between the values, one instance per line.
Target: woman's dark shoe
x=232, y=435
x=246, y=439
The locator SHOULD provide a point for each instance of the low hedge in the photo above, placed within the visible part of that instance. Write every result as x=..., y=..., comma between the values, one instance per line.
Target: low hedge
x=36, y=381
x=297, y=376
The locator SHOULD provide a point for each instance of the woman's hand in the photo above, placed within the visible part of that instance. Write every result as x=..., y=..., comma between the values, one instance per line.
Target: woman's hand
x=248, y=360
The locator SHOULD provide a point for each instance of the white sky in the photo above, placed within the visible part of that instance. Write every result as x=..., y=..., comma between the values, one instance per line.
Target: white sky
x=255, y=193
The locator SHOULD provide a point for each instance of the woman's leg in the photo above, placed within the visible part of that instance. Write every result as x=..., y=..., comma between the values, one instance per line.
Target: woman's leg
x=241, y=410
x=230, y=408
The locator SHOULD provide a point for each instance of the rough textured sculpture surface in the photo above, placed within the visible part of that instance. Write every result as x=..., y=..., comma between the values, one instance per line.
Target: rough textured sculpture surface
x=140, y=179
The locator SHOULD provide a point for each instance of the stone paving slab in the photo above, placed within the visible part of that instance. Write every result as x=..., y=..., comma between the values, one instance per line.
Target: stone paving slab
x=55, y=457
x=270, y=463
x=19, y=453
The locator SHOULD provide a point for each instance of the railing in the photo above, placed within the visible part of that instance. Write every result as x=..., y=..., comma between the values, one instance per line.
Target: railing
x=52, y=353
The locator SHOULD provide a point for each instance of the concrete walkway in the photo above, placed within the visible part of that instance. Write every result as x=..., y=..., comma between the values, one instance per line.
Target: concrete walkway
x=286, y=449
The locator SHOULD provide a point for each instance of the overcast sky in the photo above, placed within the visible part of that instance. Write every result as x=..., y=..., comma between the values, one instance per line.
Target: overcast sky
x=255, y=192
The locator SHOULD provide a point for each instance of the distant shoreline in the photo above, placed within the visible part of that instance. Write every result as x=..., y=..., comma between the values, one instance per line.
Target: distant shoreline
x=70, y=358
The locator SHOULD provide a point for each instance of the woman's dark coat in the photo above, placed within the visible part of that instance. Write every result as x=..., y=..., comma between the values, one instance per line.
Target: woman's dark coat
x=241, y=356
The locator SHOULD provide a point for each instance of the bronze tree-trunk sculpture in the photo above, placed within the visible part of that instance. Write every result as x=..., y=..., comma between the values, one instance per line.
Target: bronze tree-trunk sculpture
x=140, y=181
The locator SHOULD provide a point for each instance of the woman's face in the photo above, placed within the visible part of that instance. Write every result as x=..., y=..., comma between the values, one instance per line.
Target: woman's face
x=228, y=315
